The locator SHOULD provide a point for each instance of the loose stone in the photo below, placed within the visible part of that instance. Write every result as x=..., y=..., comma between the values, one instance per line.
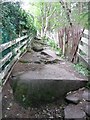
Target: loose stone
x=73, y=112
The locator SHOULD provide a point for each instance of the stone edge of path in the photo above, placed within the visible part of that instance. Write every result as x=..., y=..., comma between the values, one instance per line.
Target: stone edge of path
x=80, y=105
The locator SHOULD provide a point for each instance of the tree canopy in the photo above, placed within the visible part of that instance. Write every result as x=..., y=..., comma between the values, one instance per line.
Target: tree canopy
x=54, y=15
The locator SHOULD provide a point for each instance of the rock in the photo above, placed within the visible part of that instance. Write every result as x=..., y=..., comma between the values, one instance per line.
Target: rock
x=37, y=62
x=72, y=99
x=74, y=112
x=43, y=84
x=37, y=38
x=51, y=61
x=87, y=110
x=49, y=52
x=86, y=95
x=37, y=48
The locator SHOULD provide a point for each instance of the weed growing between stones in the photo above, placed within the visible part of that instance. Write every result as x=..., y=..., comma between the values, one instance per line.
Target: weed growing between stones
x=54, y=46
x=81, y=68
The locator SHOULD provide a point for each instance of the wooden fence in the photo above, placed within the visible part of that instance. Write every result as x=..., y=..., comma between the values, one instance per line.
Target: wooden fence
x=74, y=42
x=68, y=41
x=15, y=49
x=84, y=48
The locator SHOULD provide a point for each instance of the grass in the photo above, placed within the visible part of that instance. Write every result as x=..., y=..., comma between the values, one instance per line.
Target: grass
x=54, y=46
x=81, y=68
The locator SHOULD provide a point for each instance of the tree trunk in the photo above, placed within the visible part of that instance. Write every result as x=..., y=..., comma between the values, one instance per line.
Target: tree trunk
x=42, y=28
x=46, y=27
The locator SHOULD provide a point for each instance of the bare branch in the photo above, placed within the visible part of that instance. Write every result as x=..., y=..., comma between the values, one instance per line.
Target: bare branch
x=51, y=14
x=67, y=10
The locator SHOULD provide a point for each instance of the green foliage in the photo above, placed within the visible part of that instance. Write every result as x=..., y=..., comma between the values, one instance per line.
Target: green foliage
x=80, y=14
x=9, y=21
x=54, y=46
x=84, y=18
x=88, y=85
x=27, y=22
x=14, y=21
x=81, y=68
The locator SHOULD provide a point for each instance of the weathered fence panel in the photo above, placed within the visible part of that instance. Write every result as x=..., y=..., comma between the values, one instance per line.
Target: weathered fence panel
x=84, y=48
x=14, y=53
x=68, y=41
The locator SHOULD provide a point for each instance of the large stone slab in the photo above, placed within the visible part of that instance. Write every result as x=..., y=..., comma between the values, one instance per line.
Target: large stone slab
x=51, y=72
x=86, y=95
x=44, y=85
x=87, y=109
x=34, y=83
x=72, y=99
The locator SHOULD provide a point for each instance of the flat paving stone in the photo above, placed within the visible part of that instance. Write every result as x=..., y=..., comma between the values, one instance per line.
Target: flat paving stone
x=72, y=99
x=86, y=95
x=73, y=112
x=51, y=53
x=87, y=110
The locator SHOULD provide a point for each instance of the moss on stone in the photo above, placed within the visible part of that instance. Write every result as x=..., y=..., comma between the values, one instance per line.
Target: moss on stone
x=27, y=95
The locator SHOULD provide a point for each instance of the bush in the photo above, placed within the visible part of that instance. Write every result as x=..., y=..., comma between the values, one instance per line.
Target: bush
x=14, y=21
x=81, y=68
x=54, y=46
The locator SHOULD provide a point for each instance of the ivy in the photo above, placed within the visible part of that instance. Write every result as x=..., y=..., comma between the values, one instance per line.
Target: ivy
x=14, y=21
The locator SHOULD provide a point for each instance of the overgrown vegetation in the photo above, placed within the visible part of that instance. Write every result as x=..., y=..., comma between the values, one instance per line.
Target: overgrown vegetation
x=54, y=46
x=81, y=68
x=51, y=16
x=14, y=21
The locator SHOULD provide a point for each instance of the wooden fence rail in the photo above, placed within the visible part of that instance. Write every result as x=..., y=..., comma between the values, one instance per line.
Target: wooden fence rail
x=14, y=53
x=84, y=48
